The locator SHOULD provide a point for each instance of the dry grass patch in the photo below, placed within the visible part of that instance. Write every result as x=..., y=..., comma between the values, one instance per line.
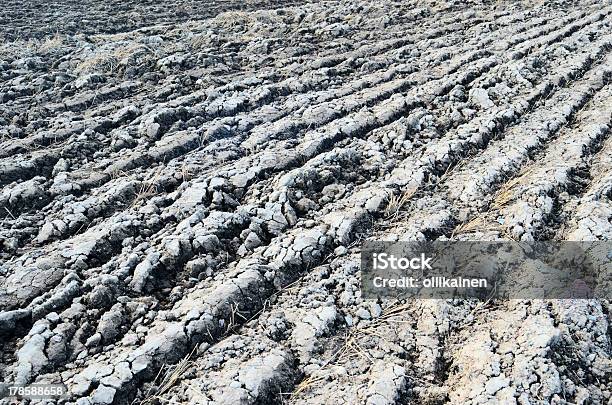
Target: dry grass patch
x=236, y=26
x=116, y=59
x=395, y=203
x=479, y=223
x=147, y=188
x=507, y=191
x=167, y=378
x=32, y=46
x=51, y=44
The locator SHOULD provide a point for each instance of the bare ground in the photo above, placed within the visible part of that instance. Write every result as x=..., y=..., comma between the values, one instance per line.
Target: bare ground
x=183, y=204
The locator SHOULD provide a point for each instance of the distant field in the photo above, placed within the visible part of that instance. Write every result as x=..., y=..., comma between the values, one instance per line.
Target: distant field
x=41, y=18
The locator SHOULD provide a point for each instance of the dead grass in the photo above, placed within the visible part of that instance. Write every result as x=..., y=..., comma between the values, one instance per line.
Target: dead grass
x=199, y=41
x=186, y=173
x=474, y=224
x=395, y=203
x=232, y=323
x=166, y=378
x=98, y=63
x=125, y=55
x=351, y=347
x=507, y=192
x=232, y=19
x=145, y=191
x=5, y=136
x=51, y=44
x=31, y=46
x=306, y=383
x=524, y=3
x=389, y=314
x=10, y=213
x=505, y=195
x=238, y=26
x=147, y=188
x=117, y=173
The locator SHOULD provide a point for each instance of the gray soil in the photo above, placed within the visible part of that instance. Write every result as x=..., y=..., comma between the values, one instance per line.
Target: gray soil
x=185, y=187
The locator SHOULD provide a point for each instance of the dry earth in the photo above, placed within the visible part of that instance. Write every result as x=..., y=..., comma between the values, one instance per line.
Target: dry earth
x=182, y=204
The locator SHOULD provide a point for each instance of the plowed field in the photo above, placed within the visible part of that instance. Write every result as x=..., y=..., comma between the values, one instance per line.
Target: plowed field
x=184, y=194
